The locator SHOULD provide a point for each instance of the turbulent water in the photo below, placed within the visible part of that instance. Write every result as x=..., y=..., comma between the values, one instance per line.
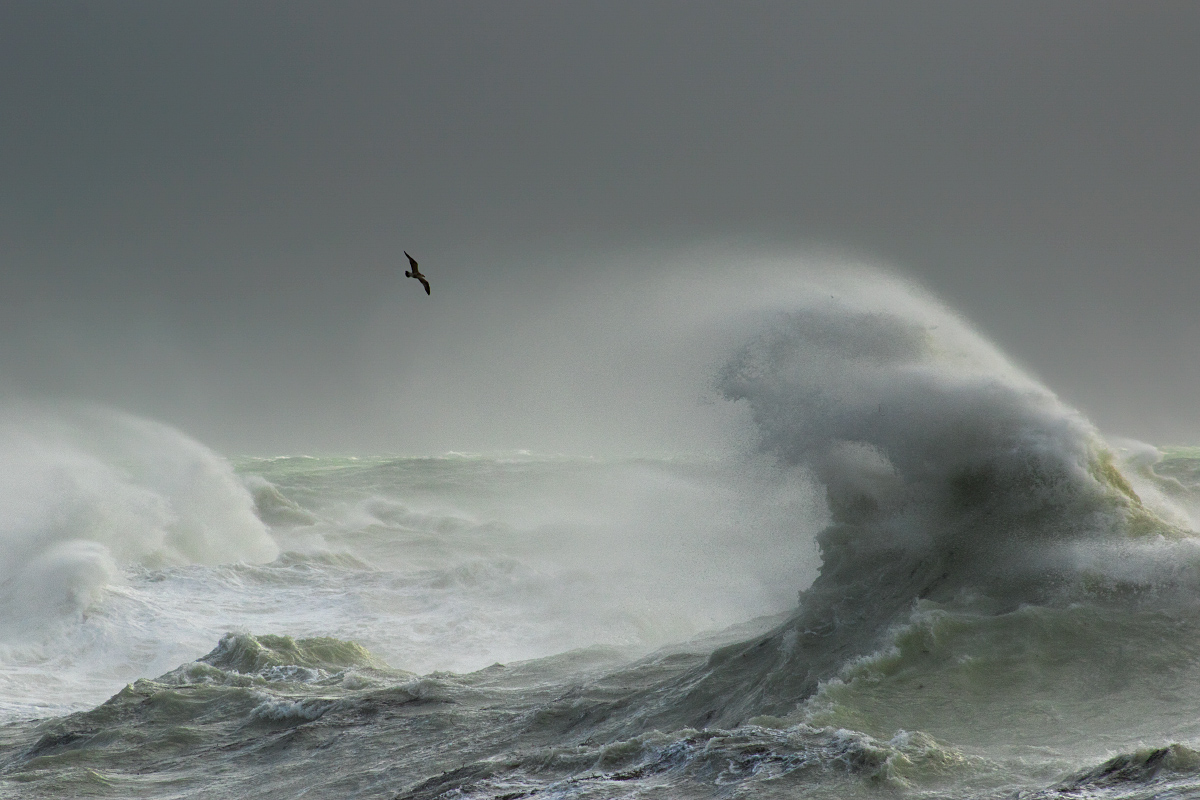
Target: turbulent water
x=926, y=577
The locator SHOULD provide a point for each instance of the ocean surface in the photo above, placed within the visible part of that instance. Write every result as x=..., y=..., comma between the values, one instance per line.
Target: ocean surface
x=923, y=576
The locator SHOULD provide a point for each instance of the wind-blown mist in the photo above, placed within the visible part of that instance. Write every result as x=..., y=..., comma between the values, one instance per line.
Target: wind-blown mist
x=87, y=494
x=891, y=557
x=618, y=356
x=953, y=480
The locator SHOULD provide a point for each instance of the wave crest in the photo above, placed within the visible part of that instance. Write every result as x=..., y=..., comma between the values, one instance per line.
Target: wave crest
x=949, y=475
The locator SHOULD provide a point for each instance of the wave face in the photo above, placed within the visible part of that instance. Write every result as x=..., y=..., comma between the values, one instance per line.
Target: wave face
x=993, y=598
x=985, y=543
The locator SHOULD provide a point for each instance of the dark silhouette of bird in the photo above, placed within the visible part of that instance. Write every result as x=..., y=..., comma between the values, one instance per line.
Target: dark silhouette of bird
x=416, y=273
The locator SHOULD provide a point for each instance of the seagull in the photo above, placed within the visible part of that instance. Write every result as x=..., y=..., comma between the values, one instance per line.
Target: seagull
x=416, y=273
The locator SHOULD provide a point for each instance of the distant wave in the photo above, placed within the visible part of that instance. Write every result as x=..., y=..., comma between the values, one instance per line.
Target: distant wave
x=87, y=492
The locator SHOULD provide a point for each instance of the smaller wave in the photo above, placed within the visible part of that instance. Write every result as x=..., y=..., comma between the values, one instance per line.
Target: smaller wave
x=1156, y=771
x=292, y=712
x=245, y=683
x=273, y=508
x=88, y=493
x=267, y=653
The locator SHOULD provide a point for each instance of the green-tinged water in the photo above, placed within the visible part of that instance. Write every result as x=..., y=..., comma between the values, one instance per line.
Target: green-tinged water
x=962, y=697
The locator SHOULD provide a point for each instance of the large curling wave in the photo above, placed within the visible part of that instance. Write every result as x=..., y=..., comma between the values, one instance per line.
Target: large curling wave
x=951, y=477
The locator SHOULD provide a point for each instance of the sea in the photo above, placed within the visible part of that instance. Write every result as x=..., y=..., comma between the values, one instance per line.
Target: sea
x=920, y=574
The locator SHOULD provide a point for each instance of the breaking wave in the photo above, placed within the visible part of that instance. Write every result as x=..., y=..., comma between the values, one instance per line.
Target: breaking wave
x=960, y=491
x=88, y=493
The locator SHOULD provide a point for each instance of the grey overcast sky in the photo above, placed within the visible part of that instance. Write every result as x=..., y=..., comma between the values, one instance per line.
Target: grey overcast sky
x=203, y=204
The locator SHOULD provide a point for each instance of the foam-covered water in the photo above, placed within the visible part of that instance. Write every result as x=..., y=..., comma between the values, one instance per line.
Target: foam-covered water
x=925, y=576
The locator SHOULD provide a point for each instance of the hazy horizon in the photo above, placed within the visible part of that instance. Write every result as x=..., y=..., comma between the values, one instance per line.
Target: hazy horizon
x=203, y=207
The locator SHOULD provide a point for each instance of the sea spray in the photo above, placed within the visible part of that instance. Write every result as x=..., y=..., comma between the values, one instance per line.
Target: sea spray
x=87, y=492
x=90, y=497
x=444, y=563
x=516, y=556
x=950, y=476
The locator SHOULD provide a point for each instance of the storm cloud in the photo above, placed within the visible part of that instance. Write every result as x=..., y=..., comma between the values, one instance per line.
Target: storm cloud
x=203, y=205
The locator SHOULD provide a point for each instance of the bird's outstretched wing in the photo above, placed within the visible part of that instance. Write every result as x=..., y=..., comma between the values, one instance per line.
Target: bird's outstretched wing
x=424, y=283
x=412, y=261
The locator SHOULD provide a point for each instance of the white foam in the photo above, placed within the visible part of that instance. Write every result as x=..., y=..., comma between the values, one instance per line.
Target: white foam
x=929, y=443
x=88, y=492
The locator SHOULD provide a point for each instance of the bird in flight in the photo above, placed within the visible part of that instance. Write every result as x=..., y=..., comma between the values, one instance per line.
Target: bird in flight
x=416, y=273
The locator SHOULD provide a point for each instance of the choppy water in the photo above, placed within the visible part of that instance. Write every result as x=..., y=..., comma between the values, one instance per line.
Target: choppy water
x=928, y=578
